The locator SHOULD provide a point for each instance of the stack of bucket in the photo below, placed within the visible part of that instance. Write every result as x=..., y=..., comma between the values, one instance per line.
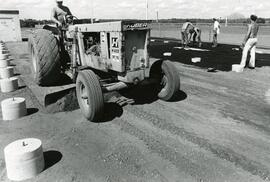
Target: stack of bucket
x=12, y=108
x=8, y=82
x=24, y=158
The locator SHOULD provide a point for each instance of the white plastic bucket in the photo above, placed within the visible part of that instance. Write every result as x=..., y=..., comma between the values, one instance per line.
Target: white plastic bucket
x=167, y=54
x=4, y=56
x=7, y=72
x=24, y=159
x=2, y=47
x=196, y=60
x=267, y=96
x=13, y=108
x=9, y=85
x=3, y=51
x=237, y=68
x=4, y=63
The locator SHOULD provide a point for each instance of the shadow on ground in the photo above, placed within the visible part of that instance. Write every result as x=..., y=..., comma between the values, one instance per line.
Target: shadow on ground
x=137, y=95
x=51, y=158
x=111, y=111
x=31, y=111
x=221, y=58
x=147, y=94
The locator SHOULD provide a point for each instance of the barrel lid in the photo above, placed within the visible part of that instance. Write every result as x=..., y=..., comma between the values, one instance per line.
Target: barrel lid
x=9, y=79
x=12, y=101
x=5, y=60
x=23, y=146
x=7, y=68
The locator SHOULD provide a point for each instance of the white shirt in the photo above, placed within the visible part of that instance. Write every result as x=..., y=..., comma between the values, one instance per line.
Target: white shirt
x=217, y=27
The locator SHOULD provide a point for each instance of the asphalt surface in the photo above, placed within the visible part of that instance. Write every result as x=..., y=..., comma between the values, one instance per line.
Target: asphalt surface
x=216, y=129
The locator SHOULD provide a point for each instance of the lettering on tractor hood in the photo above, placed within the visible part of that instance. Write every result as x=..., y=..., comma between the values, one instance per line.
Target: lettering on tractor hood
x=133, y=26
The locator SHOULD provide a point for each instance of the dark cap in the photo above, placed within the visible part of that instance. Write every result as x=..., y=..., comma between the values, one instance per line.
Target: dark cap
x=253, y=17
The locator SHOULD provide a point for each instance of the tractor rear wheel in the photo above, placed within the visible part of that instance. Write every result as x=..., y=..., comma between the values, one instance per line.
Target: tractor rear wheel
x=45, y=57
x=89, y=95
x=168, y=77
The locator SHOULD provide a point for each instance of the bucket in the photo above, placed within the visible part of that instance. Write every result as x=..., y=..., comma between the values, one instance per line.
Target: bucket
x=4, y=56
x=4, y=51
x=4, y=63
x=24, y=159
x=167, y=54
x=196, y=60
x=7, y=72
x=267, y=96
x=13, y=108
x=9, y=85
x=237, y=68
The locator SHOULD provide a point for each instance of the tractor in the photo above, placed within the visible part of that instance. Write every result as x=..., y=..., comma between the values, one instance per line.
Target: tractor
x=99, y=58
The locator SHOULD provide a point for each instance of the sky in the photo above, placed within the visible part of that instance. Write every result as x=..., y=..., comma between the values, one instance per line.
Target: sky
x=129, y=9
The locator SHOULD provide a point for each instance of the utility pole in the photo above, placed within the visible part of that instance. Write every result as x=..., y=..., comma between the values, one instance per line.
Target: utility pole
x=92, y=5
x=157, y=16
x=146, y=13
x=158, y=23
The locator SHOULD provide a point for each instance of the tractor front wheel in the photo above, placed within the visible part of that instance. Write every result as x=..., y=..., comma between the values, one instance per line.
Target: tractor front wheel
x=168, y=77
x=89, y=95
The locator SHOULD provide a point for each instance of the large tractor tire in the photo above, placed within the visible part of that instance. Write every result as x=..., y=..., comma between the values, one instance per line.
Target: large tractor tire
x=89, y=95
x=168, y=78
x=45, y=56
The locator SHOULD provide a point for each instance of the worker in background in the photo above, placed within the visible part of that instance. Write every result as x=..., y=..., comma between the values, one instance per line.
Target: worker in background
x=216, y=31
x=185, y=32
x=195, y=33
x=250, y=42
x=60, y=13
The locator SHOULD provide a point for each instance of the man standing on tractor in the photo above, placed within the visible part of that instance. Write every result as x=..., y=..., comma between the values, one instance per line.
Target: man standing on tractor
x=60, y=13
x=62, y=16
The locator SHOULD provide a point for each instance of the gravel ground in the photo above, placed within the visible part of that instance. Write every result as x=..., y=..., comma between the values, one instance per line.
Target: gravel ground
x=217, y=129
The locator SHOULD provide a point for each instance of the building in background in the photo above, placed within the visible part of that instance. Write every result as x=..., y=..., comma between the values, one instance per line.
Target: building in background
x=10, y=30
